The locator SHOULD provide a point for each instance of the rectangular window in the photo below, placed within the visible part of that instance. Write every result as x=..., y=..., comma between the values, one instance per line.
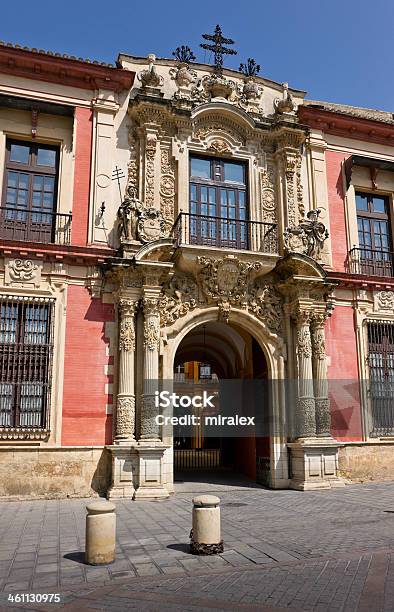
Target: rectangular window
x=26, y=349
x=28, y=210
x=381, y=377
x=374, y=235
x=218, y=203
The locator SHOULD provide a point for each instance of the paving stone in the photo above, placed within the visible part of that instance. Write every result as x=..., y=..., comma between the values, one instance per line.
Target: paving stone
x=146, y=569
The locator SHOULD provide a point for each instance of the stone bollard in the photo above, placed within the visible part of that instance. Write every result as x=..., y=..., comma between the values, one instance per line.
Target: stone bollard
x=205, y=535
x=100, y=533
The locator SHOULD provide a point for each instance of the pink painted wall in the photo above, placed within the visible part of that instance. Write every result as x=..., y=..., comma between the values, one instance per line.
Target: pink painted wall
x=85, y=421
x=343, y=375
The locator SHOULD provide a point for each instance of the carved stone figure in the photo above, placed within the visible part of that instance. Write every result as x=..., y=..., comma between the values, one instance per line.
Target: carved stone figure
x=127, y=217
x=308, y=237
x=183, y=75
x=251, y=89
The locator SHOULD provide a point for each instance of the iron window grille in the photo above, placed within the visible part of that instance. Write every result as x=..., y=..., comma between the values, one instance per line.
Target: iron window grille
x=381, y=376
x=26, y=353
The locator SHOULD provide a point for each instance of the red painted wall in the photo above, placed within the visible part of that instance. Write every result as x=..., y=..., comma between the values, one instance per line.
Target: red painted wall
x=85, y=421
x=83, y=155
x=343, y=375
x=339, y=244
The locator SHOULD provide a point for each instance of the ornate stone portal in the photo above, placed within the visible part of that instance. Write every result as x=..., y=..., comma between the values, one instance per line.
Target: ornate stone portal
x=153, y=311
x=176, y=110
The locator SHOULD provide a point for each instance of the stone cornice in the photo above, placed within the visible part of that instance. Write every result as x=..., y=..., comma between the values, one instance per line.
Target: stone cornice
x=347, y=125
x=41, y=66
x=56, y=252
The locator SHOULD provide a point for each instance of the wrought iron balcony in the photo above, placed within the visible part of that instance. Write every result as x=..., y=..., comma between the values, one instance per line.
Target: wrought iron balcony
x=35, y=226
x=371, y=262
x=225, y=233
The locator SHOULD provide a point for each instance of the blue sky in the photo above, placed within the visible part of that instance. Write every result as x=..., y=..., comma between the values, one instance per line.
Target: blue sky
x=338, y=51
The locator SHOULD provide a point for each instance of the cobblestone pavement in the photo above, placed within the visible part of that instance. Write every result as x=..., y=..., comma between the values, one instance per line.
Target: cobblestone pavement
x=321, y=550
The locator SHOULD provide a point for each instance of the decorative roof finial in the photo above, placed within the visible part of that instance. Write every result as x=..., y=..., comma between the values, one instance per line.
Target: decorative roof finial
x=218, y=49
x=287, y=104
x=184, y=54
x=250, y=69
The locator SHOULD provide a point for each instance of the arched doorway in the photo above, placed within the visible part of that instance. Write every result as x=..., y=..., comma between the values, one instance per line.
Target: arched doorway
x=209, y=356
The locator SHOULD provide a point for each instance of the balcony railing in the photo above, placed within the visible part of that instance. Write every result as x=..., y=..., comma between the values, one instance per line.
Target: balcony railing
x=371, y=262
x=35, y=226
x=226, y=233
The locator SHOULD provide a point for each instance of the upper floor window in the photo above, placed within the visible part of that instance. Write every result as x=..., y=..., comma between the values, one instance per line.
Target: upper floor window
x=374, y=234
x=28, y=210
x=218, y=202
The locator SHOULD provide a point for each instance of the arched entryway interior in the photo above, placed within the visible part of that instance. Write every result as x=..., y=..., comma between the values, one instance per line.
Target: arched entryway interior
x=210, y=353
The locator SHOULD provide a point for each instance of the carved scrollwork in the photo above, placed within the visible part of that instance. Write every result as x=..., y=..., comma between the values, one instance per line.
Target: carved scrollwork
x=151, y=335
x=149, y=78
x=126, y=327
x=227, y=278
x=318, y=343
x=213, y=86
x=304, y=345
x=151, y=225
x=385, y=300
x=266, y=304
x=167, y=184
x=125, y=416
x=149, y=426
x=150, y=154
x=20, y=270
x=180, y=295
x=305, y=417
x=126, y=336
x=268, y=203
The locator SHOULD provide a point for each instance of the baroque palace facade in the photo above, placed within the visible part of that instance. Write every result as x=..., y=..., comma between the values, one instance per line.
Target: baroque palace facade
x=159, y=214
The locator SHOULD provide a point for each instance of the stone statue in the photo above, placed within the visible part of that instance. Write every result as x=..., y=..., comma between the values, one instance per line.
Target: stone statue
x=128, y=213
x=308, y=237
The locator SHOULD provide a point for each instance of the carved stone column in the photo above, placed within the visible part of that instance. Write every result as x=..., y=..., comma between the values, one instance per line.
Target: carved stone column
x=314, y=458
x=123, y=450
x=305, y=411
x=149, y=428
x=150, y=448
x=319, y=363
x=125, y=404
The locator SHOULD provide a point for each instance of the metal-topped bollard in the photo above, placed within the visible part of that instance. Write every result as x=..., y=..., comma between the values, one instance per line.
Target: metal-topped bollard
x=100, y=533
x=205, y=536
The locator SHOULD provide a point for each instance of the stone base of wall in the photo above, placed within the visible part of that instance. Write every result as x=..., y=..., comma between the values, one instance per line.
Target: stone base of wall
x=367, y=461
x=51, y=473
